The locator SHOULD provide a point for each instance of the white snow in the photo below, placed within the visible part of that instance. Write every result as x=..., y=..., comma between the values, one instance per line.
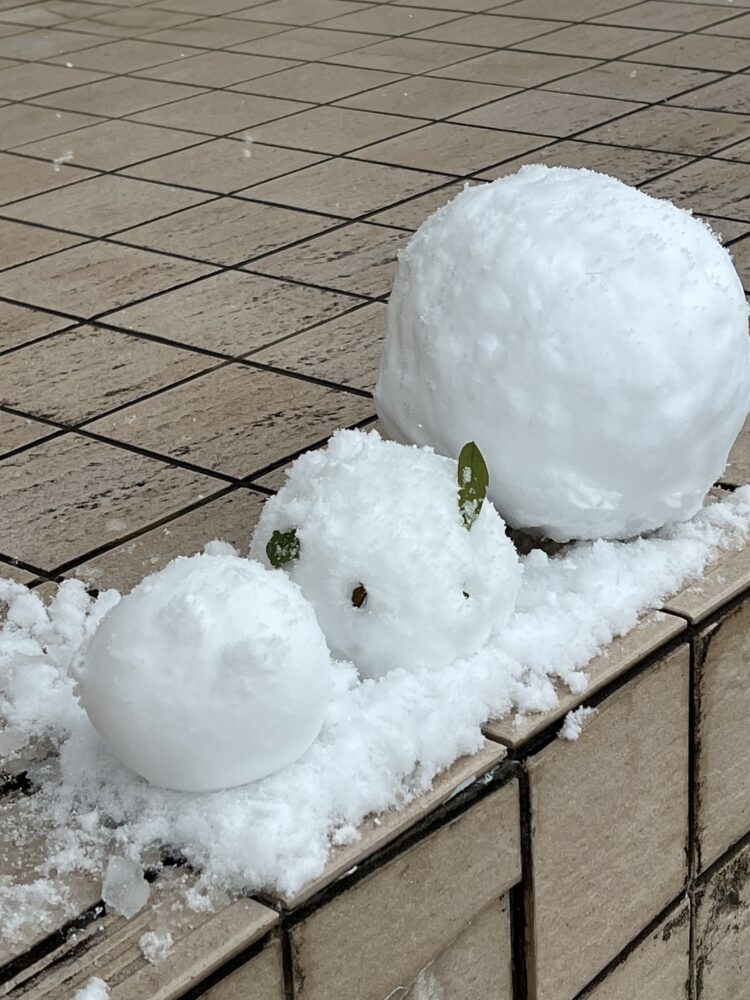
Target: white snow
x=155, y=947
x=374, y=514
x=212, y=672
x=125, y=888
x=574, y=721
x=59, y=160
x=591, y=339
x=383, y=741
x=95, y=989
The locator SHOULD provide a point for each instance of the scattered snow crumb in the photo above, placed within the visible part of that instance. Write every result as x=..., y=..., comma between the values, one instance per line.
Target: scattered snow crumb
x=95, y=989
x=155, y=947
x=59, y=160
x=573, y=725
x=633, y=74
x=69, y=65
x=247, y=151
x=125, y=889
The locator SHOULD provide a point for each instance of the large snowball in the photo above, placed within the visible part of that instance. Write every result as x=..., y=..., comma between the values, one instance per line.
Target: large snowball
x=373, y=514
x=592, y=340
x=210, y=673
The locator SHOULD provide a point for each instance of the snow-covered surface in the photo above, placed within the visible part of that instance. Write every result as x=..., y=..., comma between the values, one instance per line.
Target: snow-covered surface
x=591, y=339
x=375, y=514
x=382, y=743
x=211, y=673
x=125, y=889
x=95, y=989
x=574, y=722
x=155, y=947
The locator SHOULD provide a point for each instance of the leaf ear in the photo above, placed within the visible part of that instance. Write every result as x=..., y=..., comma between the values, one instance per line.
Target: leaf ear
x=282, y=548
x=473, y=480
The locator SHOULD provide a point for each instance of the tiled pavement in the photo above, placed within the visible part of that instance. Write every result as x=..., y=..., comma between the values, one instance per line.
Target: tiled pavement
x=201, y=202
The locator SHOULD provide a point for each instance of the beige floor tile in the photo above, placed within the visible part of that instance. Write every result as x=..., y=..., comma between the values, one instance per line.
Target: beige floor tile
x=453, y=148
x=227, y=231
x=411, y=214
x=215, y=33
x=31, y=14
x=383, y=828
x=729, y=94
x=104, y=204
x=595, y=41
x=724, y=578
x=210, y=7
x=67, y=496
x=564, y=10
x=211, y=422
x=515, y=69
x=20, y=123
x=9, y=572
x=307, y=44
x=722, y=766
x=411, y=908
x=111, y=145
x=356, y=258
x=722, y=930
x=740, y=152
x=19, y=325
x=659, y=966
x=726, y=230
x=738, y=27
x=223, y=165
x=494, y=30
x=13, y=30
x=17, y=432
x=95, y=278
x=319, y=81
x=233, y=312
x=426, y=97
x=230, y=519
x=608, y=833
x=654, y=630
x=45, y=43
x=633, y=83
x=32, y=79
x=141, y=19
x=386, y=19
x=292, y=12
x=674, y=130
x=118, y=96
x=332, y=129
x=345, y=350
x=75, y=376
x=668, y=17
x=547, y=112
x=345, y=187
x=218, y=69
x=713, y=187
x=129, y=55
x=468, y=6
x=698, y=52
x=262, y=978
x=410, y=55
x=19, y=243
x=634, y=166
x=741, y=255
x=220, y=112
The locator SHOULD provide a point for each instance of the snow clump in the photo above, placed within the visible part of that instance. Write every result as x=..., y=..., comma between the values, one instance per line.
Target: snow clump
x=591, y=339
x=573, y=723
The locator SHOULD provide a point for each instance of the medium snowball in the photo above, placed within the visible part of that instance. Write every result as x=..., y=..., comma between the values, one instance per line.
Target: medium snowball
x=211, y=673
x=592, y=340
x=375, y=515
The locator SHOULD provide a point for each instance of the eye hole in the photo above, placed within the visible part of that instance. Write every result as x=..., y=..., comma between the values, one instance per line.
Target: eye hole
x=466, y=595
x=359, y=596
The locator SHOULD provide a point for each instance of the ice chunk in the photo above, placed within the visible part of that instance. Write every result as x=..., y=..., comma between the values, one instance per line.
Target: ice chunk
x=125, y=888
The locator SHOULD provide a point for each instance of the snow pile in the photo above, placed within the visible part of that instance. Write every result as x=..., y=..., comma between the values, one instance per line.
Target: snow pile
x=588, y=337
x=155, y=947
x=573, y=723
x=95, y=989
x=211, y=673
x=125, y=888
x=382, y=743
x=385, y=558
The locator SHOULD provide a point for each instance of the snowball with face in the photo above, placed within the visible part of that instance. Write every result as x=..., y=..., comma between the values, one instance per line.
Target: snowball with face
x=385, y=558
x=211, y=673
x=592, y=340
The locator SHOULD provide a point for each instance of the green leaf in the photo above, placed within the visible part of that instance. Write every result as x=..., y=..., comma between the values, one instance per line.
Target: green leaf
x=473, y=480
x=282, y=548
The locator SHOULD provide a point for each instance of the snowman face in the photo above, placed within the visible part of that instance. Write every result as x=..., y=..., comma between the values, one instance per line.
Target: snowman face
x=384, y=556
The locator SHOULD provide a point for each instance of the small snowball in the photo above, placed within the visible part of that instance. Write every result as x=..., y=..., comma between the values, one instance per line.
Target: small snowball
x=395, y=577
x=572, y=726
x=95, y=989
x=155, y=947
x=213, y=672
x=591, y=339
x=125, y=888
